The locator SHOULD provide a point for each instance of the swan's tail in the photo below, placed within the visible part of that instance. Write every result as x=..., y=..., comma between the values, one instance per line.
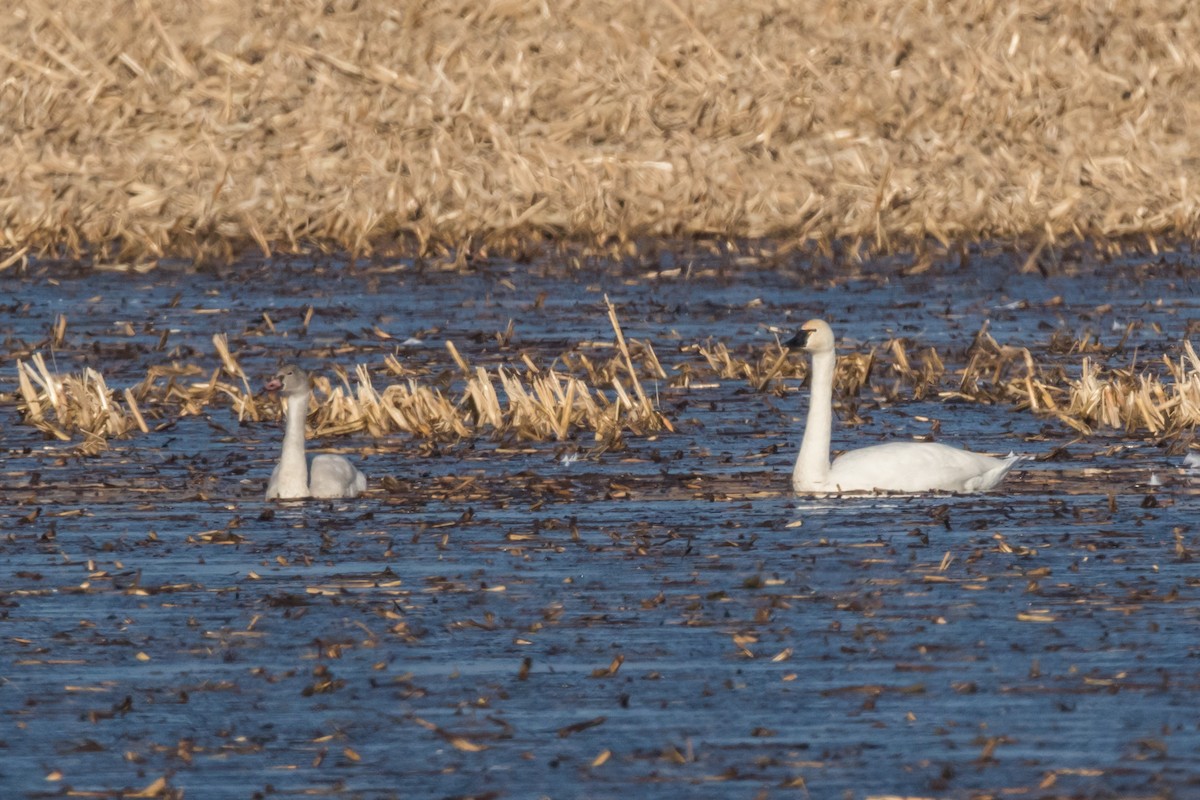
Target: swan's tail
x=992, y=478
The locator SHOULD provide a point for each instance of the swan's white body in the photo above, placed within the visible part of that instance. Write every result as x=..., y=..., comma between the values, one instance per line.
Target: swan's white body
x=901, y=467
x=292, y=478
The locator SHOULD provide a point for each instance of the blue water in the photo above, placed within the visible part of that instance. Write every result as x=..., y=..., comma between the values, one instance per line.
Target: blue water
x=430, y=640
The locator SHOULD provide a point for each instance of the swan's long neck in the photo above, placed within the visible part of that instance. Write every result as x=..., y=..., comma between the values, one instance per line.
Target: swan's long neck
x=293, y=467
x=812, y=465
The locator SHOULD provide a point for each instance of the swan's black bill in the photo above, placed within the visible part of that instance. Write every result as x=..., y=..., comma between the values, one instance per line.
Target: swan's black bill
x=799, y=340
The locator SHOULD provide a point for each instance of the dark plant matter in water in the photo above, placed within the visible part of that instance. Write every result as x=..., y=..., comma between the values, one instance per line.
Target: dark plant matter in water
x=651, y=613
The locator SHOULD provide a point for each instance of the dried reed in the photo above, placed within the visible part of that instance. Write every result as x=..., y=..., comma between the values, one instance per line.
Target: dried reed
x=771, y=366
x=533, y=403
x=1121, y=398
x=538, y=405
x=200, y=129
x=59, y=405
x=1100, y=397
x=767, y=368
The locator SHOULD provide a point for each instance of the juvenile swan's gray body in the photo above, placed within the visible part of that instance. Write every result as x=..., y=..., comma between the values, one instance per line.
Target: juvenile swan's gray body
x=902, y=467
x=292, y=478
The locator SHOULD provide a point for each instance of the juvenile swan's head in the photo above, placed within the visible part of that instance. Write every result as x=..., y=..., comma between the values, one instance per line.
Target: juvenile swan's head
x=289, y=380
x=815, y=336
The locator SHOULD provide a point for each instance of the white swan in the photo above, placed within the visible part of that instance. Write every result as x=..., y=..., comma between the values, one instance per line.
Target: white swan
x=330, y=476
x=903, y=467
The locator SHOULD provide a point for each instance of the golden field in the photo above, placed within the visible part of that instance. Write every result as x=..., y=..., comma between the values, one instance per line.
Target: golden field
x=135, y=130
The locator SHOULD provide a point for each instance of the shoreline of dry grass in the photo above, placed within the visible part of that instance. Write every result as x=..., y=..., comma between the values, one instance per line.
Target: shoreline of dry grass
x=523, y=401
x=475, y=128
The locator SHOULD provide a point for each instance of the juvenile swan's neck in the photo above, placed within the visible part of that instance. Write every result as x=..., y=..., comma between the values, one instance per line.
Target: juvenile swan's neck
x=293, y=467
x=812, y=465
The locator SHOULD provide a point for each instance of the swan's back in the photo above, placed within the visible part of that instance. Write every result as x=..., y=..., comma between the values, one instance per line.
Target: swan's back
x=911, y=467
x=334, y=476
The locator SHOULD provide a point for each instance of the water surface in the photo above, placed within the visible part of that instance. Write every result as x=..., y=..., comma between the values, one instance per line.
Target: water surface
x=659, y=620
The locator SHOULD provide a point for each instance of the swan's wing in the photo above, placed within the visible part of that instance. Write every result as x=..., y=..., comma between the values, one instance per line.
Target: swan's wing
x=334, y=476
x=911, y=467
x=273, y=484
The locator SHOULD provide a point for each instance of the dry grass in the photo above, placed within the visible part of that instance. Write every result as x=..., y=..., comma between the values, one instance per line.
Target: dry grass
x=1125, y=398
x=533, y=404
x=200, y=129
x=607, y=397
x=59, y=406
x=1163, y=401
x=761, y=372
x=526, y=402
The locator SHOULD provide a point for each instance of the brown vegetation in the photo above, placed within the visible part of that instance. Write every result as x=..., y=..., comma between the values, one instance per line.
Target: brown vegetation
x=1159, y=398
x=133, y=131
x=526, y=402
x=535, y=404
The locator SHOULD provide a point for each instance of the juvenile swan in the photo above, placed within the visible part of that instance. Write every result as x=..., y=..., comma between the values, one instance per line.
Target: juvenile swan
x=904, y=467
x=331, y=476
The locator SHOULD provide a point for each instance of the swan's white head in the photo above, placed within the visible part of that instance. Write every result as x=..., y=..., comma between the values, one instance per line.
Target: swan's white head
x=290, y=380
x=815, y=336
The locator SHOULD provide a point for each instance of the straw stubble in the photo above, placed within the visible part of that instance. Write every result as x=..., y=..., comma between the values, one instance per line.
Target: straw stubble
x=203, y=129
